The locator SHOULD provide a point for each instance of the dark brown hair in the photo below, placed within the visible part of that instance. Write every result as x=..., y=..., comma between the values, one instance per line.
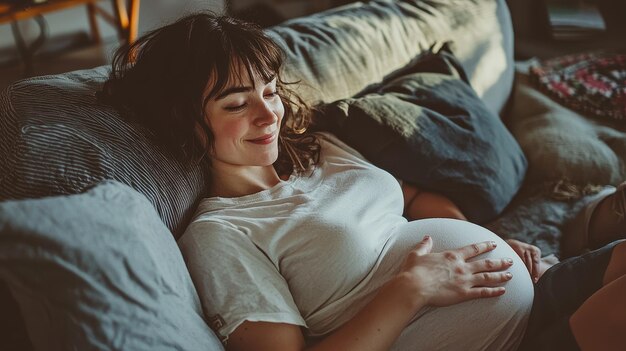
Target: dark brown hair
x=159, y=82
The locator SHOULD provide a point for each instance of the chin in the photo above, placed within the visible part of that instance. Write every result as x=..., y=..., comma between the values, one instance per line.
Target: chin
x=268, y=160
x=272, y=160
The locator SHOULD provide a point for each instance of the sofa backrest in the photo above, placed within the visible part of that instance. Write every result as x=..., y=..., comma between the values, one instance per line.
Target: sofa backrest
x=56, y=139
x=339, y=52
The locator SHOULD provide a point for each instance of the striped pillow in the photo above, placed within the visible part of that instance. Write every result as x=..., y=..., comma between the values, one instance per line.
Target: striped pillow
x=56, y=139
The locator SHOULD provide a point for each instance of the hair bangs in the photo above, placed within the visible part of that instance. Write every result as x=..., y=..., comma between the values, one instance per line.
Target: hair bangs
x=244, y=59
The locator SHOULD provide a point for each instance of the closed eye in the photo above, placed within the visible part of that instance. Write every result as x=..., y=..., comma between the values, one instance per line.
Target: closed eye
x=235, y=108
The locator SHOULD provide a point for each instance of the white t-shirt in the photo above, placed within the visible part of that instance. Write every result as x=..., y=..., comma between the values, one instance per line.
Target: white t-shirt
x=310, y=251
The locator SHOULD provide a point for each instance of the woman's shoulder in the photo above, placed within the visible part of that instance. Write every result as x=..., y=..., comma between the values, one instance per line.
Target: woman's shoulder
x=332, y=145
x=212, y=234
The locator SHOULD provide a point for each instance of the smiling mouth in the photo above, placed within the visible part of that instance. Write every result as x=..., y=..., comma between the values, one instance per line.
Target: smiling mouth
x=265, y=139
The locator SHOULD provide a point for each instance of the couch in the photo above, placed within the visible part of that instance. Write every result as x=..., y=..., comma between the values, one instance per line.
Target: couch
x=91, y=207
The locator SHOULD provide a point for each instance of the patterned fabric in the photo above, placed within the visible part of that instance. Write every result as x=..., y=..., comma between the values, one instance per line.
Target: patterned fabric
x=592, y=83
x=56, y=139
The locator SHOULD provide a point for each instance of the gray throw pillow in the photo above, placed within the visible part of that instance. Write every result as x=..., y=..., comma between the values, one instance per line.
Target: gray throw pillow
x=426, y=125
x=99, y=271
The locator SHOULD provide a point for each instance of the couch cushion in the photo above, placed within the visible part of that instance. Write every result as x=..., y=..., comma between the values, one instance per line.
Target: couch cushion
x=56, y=139
x=432, y=130
x=99, y=270
x=338, y=52
x=562, y=145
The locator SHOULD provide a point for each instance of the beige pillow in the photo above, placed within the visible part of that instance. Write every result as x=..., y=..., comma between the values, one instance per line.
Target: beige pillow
x=562, y=145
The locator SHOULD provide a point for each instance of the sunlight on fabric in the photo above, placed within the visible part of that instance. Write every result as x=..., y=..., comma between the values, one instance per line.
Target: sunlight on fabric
x=491, y=68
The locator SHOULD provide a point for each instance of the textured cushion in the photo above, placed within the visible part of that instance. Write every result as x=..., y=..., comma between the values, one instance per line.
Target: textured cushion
x=592, y=83
x=432, y=130
x=55, y=139
x=339, y=52
x=99, y=271
x=562, y=145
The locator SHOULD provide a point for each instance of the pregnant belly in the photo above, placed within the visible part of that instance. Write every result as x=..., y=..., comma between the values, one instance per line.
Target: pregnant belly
x=483, y=324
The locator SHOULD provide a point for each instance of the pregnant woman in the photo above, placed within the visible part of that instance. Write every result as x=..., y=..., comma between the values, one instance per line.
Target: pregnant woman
x=301, y=242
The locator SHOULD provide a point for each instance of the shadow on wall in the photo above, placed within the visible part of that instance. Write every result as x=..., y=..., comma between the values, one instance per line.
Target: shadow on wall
x=548, y=28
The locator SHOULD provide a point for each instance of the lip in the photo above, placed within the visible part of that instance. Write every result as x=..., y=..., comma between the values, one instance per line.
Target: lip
x=264, y=139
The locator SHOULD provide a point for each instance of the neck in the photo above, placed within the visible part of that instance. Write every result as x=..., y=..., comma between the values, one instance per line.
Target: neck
x=241, y=181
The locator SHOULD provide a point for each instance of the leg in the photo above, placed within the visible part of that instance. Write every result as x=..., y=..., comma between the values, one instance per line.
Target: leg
x=607, y=222
x=93, y=23
x=563, y=289
x=617, y=265
x=133, y=20
x=600, y=222
x=600, y=321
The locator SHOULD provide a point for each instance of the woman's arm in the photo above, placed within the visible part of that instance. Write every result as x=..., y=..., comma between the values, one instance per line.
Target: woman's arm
x=419, y=204
x=375, y=327
x=437, y=279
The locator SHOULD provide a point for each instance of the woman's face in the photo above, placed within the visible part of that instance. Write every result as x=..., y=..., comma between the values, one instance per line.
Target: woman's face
x=245, y=121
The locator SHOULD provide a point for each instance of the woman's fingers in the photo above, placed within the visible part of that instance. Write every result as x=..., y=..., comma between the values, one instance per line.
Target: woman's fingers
x=490, y=265
x=485, y=292
x=528, y=261
x=536, y=257
x=490, y=279
x=476, y=249
x=446, y=278
x=424, y=246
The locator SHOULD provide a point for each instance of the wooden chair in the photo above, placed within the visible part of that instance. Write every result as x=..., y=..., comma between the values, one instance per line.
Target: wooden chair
x=125, y=19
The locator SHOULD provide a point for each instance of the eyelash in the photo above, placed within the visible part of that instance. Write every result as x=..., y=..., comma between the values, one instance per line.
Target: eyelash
x=241, y=107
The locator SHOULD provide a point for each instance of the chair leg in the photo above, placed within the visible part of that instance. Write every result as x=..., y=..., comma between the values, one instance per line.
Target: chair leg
x=119, y=7
x=133, y=23
x=127, y=14
x=93, y=23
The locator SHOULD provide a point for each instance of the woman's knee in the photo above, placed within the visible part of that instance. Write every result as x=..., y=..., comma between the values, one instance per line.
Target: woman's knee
x=617, y=264
x=600, y=322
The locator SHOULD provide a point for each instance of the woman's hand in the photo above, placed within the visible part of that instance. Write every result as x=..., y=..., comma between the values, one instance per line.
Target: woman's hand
x=530, y=254
x=446, y=278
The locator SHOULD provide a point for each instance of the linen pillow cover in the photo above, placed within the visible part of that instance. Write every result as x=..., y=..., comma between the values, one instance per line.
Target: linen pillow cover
x=425, y=125
x=99, y=271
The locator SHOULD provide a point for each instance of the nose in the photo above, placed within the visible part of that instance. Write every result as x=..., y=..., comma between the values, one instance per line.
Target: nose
x=265, y=114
